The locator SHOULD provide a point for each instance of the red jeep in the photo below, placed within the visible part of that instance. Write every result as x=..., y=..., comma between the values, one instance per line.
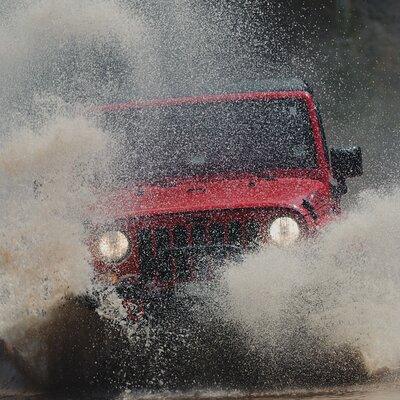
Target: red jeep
x=210, y=177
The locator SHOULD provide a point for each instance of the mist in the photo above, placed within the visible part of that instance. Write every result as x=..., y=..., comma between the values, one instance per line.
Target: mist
x=59, y=58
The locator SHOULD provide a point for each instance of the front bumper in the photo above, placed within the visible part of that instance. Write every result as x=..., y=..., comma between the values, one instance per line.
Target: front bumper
x=182, y=303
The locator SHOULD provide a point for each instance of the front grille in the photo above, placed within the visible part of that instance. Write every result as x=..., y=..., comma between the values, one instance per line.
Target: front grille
x=194, y=249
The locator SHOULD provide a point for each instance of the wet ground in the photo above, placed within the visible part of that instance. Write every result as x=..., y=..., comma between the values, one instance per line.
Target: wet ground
x=14, y=384
x=369, y=392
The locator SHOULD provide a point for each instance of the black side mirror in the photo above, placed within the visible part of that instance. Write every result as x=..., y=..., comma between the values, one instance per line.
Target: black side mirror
x=346, y=162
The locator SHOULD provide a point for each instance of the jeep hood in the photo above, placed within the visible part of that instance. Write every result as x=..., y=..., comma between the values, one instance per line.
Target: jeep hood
x=213, y=194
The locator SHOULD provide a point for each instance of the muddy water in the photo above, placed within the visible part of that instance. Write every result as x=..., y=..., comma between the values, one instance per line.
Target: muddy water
x=385, y=392
x=376, y=392
x=338, y=295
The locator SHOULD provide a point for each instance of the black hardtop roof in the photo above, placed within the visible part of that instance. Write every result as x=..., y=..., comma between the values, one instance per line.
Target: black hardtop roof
x=244, y=86
x=266, y=85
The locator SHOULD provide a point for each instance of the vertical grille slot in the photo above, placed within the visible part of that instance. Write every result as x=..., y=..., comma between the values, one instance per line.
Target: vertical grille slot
x=199, y=235
x=252, y=233
x=217, y=234
x=181, y=242
x=234, y=233
x=164, y=263
x=199, y=239
x=145, y=251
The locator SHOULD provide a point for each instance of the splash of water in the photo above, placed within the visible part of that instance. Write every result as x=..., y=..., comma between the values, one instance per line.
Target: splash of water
x=45, y=194
x=51, y=159
x=78, y=51
x=342, y=287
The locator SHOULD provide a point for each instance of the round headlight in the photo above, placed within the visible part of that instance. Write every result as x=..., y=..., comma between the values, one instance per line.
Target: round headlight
x=113, y=246
x=284, y=230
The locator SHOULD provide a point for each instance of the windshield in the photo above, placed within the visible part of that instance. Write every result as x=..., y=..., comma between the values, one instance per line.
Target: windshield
x=195, y=139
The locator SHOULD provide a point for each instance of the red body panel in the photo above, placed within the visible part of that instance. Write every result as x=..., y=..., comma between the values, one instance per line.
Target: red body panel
x=214, y=194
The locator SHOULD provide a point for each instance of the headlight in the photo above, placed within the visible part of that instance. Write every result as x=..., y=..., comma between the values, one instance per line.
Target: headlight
x=284, y=230
x=113, y=246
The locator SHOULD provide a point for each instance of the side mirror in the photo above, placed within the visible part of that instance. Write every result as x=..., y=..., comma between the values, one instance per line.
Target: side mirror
x=346, y=162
